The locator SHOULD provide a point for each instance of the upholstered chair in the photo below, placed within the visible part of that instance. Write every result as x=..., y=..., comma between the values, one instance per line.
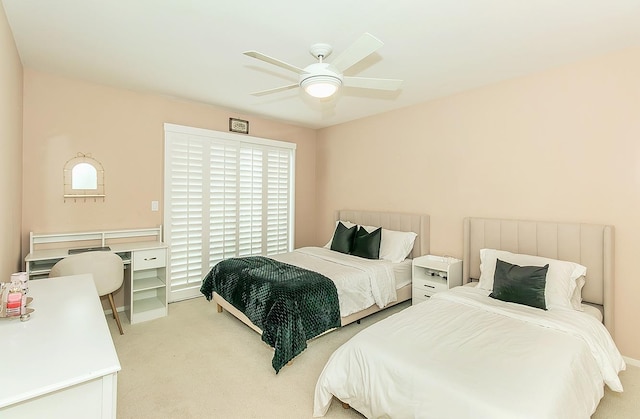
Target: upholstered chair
x=107, y=269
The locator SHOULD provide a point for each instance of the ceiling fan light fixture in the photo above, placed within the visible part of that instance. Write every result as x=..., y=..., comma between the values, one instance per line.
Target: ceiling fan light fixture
x=322, y=80
x=321, y=86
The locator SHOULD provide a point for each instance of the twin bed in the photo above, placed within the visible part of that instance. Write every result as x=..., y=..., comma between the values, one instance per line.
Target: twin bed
x=465, y=355
x=363, y=286
x=499, y=347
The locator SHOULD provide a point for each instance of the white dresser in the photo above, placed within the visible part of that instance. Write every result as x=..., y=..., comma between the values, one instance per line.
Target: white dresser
x=61, y=363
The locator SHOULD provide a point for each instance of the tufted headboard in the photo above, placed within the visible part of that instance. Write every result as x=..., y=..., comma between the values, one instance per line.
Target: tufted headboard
x=591, y=245
x=418, y=223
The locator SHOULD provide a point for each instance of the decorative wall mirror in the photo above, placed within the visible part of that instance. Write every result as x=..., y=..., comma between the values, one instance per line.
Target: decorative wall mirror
x=83, y=178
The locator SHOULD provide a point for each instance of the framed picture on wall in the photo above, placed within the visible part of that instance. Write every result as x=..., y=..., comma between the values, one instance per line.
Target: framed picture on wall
x=238, y=125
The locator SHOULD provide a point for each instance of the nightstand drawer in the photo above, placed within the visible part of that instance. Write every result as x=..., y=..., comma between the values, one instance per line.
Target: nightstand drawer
x=430, y=286
x=419, y=295
x=148, y=259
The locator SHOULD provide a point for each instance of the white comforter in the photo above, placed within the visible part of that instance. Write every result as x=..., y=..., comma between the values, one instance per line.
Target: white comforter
x=360, y=282
x=464, y=355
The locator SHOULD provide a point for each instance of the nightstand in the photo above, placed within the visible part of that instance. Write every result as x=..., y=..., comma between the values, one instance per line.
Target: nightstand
x=432, y=274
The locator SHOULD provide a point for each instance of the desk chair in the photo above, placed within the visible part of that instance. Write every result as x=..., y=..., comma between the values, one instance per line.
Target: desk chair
x=107, y=269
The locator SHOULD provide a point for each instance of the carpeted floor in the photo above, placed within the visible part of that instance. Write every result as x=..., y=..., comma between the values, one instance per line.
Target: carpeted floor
x=197, y=363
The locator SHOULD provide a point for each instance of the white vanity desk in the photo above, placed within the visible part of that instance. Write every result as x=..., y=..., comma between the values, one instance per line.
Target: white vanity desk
x=61, y=363
x=142, y=251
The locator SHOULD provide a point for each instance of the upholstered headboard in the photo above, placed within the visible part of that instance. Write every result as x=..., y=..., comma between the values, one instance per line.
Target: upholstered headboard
x=418, y=223
x=591, y=245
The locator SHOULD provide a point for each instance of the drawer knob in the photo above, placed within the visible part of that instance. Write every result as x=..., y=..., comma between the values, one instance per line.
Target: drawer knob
x=153, y=258
x=428, y=286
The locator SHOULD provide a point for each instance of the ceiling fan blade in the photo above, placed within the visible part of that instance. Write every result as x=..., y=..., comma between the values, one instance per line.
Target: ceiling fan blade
x=372, y=83
x=366, y=45
x=274, y=61
x=275, y=90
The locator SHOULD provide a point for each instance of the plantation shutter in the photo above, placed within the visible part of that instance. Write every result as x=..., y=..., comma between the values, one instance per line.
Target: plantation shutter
x=226, y=195
x=278, y=201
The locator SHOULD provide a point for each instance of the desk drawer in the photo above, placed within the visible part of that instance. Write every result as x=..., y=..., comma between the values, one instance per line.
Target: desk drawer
x=148, y=259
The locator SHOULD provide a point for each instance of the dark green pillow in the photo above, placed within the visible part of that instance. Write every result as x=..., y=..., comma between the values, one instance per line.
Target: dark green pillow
x=367, y=245
x=343, y=238
x=520, y=284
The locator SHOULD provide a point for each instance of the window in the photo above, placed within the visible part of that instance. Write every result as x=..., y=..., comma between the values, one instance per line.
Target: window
x=226, y=195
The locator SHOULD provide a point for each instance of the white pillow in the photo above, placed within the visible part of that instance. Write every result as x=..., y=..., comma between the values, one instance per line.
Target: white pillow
x=395, y=246
x=347, y=224
x=576, y=298
x=561, y=276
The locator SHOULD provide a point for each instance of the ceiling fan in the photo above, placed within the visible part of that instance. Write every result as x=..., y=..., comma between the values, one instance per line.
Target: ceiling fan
x=322, y=79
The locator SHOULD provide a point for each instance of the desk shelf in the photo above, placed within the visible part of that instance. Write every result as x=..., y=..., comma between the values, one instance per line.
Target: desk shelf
x=148, y=291
x=148, y=304
x=142, y=284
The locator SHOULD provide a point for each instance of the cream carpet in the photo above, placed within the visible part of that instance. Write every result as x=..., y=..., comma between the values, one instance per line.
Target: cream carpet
x=197, y=363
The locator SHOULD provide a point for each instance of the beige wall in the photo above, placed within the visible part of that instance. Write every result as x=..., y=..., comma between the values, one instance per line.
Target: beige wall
x=563, y=145
x=124, y=131
x=11, y=151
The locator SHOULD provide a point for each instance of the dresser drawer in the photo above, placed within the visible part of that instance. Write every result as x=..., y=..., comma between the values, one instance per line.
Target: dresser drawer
x=148, y=259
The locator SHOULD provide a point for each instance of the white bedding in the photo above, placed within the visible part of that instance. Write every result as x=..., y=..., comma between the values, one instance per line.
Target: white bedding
x=360, y=282
x=464, y=355
x=402, y=272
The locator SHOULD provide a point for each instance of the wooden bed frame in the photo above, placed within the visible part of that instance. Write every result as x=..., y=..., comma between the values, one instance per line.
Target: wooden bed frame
x=418, y=223
x=591, y=245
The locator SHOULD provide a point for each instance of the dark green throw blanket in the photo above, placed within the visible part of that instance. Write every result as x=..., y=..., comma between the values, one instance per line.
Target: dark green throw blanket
x=290, y=304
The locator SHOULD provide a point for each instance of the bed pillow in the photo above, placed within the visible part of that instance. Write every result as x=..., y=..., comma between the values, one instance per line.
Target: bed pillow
x=367, y=245
x=347, y=224
x=561, y=276
x=343, y=238
x=520, y=284
x=576, y=298
x=395, y=246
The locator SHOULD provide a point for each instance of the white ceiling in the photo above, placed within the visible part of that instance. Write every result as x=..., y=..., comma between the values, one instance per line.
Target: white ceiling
x=192, y=49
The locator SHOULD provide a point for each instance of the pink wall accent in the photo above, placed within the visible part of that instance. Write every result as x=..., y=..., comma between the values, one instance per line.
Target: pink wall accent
x=563, y=145
x=124, y=130
x=11, y=152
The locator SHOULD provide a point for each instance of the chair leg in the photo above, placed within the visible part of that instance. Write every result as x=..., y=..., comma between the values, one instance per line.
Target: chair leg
x=115, y=313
